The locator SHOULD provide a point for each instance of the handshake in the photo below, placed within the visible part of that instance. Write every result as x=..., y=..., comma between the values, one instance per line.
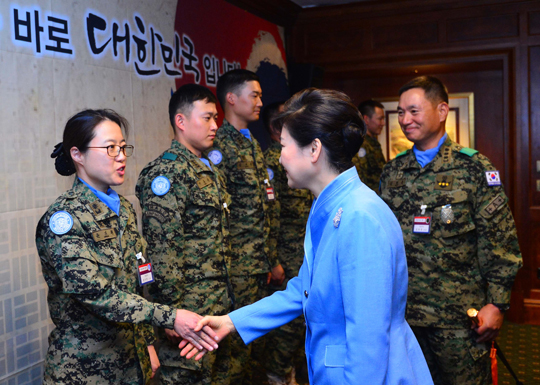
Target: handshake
x=197, y=335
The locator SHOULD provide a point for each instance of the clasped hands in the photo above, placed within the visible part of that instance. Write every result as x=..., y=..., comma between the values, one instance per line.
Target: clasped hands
x=189, y=327
x=197, y=339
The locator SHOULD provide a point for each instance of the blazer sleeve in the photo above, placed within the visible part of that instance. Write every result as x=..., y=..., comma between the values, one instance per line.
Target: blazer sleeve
x=255, y=320
x=365, y=264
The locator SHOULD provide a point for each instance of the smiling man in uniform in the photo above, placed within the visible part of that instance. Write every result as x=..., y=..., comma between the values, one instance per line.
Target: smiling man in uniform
x=460, y=238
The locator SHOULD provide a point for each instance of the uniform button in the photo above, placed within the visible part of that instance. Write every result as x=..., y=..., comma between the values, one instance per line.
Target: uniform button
x=306, y=293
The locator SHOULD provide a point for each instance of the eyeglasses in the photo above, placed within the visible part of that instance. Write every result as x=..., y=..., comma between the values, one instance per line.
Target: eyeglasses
x=114, y=150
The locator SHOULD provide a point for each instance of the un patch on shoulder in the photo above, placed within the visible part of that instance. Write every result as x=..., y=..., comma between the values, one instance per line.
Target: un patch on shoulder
x=270, y=173
x=61, y=222
x=493, y=178
x=161, y=185
x=215, y=156
x=362, y=152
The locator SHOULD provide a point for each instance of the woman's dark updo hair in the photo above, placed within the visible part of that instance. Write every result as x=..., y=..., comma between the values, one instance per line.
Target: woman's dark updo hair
x=79, y=132
x=329, y=116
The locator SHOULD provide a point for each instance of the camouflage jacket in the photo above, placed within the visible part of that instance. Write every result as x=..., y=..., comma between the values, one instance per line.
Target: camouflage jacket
x=94, y=293
x=187, y=235
x=253, y=241
x=369, y=162
x=471, y=255
x=293, y=214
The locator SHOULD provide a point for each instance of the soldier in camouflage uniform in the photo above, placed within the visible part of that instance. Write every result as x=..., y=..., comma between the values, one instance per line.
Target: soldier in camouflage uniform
x=254, y=204
x=369, y=161
x=92, y=258
x=186, y=225
x=285, y=344
x=460, y=238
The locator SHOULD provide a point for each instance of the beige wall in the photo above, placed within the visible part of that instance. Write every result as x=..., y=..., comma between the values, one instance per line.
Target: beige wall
x=37, y=96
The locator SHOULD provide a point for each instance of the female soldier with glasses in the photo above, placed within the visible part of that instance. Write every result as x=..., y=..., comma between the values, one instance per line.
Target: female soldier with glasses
x=93, y=260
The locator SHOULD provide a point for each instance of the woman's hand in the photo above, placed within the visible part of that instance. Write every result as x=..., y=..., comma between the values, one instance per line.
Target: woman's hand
x=200, y=336
x=221, y=325
x=154, y=360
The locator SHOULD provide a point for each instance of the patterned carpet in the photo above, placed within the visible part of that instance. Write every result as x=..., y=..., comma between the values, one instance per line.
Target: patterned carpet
x=521, y=347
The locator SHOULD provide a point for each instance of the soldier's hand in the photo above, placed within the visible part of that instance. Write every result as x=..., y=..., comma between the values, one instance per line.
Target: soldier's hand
x=173, y=336
x=154, y=360
x=222, y=325
x=277, y=276
x=202, y=338
x=189, y=351
x=490, y=321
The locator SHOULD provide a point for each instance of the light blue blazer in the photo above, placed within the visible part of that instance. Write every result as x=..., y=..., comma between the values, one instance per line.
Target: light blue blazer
x=352, y=290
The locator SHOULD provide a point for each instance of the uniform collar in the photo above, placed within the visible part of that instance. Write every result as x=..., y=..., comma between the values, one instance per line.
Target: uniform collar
x=179, y=149
x=240, y=140
x=99, y=210
x=443, y=160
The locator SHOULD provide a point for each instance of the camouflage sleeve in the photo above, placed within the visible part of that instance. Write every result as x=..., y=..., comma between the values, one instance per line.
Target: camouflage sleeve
x=274, y=209
x=148, y=333
x=384, y=176
x=163, y=229
x=226, y=163
x=87, y=276
x=499, y=256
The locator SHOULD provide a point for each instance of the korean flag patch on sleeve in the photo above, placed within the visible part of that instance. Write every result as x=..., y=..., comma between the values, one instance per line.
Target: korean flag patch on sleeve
x=61, y=222
x=493, y=178
x=215, y=156
x=161, y=185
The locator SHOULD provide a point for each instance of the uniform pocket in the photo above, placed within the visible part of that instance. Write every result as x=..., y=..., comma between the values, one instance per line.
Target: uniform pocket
x=453, y=218
x=334, y=356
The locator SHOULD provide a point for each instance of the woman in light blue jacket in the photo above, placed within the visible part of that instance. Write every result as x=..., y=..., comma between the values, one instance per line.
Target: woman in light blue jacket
x=352, y=286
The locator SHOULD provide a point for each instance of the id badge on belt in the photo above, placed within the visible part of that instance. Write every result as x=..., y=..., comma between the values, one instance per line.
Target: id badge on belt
x=144, y=270
x=422, y=222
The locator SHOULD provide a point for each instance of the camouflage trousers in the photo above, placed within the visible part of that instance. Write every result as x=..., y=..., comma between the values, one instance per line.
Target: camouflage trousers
x=247, y=290
x=454, y=357
x=214, y=370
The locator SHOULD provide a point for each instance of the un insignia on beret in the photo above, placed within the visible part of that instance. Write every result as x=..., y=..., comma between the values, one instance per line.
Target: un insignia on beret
x=161, y=185
x=61, y=222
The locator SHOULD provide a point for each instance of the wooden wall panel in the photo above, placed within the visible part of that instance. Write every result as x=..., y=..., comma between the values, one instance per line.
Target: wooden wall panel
x=393, y=36
x=489, y=47
x=478, y=28
x=534, y=76
x=534, y=23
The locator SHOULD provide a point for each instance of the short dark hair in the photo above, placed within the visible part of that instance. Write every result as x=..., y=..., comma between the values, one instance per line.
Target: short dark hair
x=184, y=97
x=367, y=107
x=268, y=115
x=434, y=89
x=79, y=132
x=329, y=116
x=233, y=81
